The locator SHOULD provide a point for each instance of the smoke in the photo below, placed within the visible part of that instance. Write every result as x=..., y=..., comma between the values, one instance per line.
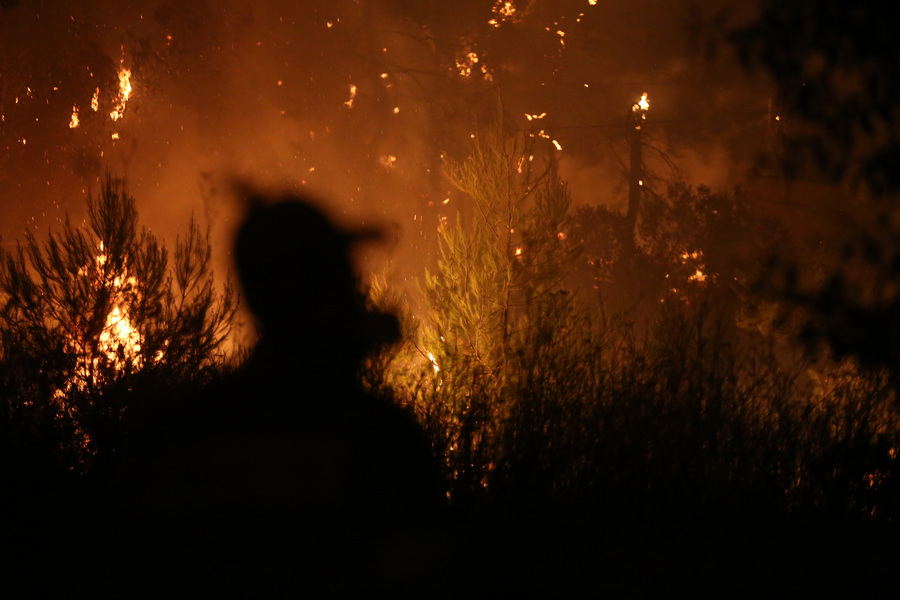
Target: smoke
x=263, y=92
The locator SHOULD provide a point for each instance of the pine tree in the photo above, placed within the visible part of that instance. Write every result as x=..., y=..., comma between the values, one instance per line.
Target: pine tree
x=496, y=299
x=90, y=312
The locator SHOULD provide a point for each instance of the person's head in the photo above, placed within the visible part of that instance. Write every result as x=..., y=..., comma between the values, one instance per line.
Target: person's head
x=299, y=281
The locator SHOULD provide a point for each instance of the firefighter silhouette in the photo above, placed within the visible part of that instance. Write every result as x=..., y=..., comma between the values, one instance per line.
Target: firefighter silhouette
x=288, y=466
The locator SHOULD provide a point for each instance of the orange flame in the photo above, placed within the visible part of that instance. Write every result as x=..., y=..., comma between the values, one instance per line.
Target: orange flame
x=124, y=93
x=643, y=103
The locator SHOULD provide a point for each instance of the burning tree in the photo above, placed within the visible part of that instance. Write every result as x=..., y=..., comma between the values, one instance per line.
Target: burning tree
x=89, y=312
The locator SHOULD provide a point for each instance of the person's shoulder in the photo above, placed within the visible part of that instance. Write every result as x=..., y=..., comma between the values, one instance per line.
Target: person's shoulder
x=387, y=414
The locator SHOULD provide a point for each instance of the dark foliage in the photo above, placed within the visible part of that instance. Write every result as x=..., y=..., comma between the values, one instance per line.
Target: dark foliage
x=837, y=74
x=652, y=427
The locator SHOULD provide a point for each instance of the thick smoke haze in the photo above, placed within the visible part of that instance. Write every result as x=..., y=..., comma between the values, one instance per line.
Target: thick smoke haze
x=356, y=103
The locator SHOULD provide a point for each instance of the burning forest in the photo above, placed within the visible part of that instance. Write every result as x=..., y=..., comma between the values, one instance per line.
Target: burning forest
x=335, y=292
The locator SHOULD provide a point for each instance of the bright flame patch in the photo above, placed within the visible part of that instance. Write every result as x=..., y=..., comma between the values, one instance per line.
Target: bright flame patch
x=124, y=94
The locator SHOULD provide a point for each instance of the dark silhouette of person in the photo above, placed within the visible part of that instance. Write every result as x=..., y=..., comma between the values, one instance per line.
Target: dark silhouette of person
x=286, y=475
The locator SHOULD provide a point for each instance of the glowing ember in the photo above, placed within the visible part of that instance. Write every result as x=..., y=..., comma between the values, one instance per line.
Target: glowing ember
x=699, y=276
x=349, y=103
x=503, y=11
x=466, y=62
x=695, y=257
x=73, y=122
x=95, y=101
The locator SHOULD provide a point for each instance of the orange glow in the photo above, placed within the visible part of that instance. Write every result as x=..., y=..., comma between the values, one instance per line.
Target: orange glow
x=74, y=122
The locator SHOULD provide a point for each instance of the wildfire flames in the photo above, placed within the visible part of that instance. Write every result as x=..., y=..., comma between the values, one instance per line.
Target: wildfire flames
x=695, y=259
x=644, y=103
x=124, y=93
x=119, y=341
x=119, y=102
x=118, y=346
x=503, y=11
x=468, y=62
x=118, y=333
